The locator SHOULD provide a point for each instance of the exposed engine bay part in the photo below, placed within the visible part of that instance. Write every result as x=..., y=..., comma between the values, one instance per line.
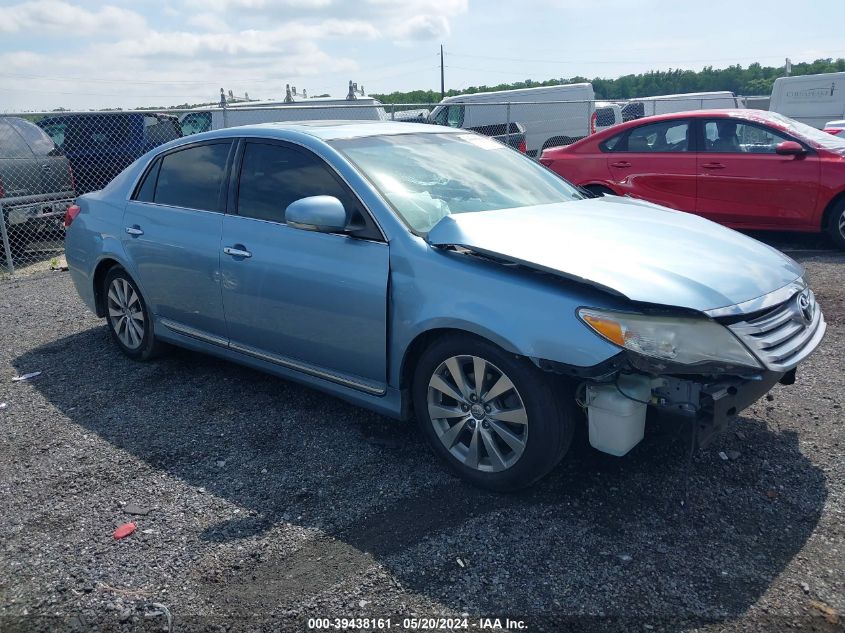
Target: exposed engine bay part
x=616, y=408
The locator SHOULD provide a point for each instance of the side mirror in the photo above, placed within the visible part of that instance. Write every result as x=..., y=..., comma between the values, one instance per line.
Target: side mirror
x=790, y=148
x=324, y=214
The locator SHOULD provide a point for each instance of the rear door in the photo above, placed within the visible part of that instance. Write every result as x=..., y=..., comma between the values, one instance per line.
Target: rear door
x=172, y=232
x=316, y=302
x=655, y=162
x=743, y=182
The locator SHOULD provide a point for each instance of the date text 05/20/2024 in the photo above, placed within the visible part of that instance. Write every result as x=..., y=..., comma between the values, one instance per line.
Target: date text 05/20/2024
x=416, y=624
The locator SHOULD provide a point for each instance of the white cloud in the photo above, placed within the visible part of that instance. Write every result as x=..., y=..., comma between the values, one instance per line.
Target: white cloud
x=58, y=16
x=185, y=50
x=423, y=27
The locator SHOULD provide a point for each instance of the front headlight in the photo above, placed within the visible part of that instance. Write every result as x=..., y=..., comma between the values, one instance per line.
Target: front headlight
x=681, y=340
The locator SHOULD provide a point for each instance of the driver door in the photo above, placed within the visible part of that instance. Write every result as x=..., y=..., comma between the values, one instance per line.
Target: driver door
x=315, y=302
x=743, y=182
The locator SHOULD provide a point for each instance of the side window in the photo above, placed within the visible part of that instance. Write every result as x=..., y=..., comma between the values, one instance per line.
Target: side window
x=273, y=176
x=193, y=178
x=196, y=122
x=731, y=137
x=666, y=136
x=11, y=143
x=36, y=138
x=146, y=190
x=56, y=131
x=455, y=118
x=613, y=144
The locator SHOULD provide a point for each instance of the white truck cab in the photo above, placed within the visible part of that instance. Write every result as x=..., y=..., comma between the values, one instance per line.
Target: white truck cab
x=551, y=115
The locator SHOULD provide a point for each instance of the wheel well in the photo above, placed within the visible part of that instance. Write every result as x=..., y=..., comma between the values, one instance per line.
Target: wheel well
x=833, y=204
x=100, y=273
x=417, y=347
x=412, y=355
x=596, y=185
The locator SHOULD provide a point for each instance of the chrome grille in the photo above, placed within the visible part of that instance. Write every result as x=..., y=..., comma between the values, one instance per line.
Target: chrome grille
x=785, y=335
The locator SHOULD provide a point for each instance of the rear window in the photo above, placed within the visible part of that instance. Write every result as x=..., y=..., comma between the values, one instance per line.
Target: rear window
x=605, y=117
x=91, y=133
x=36, y=138
x=159, y=130
x=12, y=144
x=193, y=178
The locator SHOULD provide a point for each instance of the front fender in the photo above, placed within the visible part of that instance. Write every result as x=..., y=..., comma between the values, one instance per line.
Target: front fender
x=523, y=312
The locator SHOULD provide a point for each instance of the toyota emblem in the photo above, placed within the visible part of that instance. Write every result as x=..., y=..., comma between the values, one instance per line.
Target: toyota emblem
x=805, y=309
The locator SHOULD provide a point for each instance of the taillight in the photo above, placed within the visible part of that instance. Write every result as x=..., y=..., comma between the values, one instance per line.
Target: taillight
x=593, y=123
x=71, y=213
x=834, y=130
x=521, y=147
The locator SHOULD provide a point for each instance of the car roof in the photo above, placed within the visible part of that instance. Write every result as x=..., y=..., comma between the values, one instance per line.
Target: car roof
x=332, y=130
x=737, y=113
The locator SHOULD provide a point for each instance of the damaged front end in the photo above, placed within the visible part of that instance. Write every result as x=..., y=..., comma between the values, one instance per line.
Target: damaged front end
x=704, y=369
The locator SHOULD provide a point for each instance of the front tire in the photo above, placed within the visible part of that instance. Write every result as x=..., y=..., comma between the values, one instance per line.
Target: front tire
x=128, y=316
x=836, y=224
x=503, y=432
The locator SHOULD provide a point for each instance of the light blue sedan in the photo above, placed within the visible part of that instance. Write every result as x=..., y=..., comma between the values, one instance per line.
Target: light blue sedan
x=434, y=273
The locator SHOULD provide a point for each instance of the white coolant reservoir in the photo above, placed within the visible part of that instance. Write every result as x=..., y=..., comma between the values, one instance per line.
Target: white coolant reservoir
x=616, y=421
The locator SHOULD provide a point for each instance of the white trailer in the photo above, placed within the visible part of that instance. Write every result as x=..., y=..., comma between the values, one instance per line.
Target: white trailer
x=254, y=112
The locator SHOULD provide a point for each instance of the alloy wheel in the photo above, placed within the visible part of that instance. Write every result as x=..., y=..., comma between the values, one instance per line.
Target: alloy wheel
x=477, y=413
x=126, y=313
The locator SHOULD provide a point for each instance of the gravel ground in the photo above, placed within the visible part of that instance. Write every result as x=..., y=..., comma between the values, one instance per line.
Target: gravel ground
x=265, y=503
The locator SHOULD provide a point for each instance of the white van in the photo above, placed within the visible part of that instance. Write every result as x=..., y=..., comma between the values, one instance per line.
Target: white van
x=551, y=115
x=252, y=112
x=811, y=99
x=666, y=104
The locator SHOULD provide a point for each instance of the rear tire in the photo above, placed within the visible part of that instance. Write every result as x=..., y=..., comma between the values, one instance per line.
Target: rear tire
x=503, y=434
x=128, y=317
x=836, y=224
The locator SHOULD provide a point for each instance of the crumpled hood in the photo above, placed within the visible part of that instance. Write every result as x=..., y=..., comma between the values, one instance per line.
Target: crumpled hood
x=639, y=250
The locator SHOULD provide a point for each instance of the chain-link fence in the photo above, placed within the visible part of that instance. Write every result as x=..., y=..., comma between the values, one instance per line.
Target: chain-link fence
x=49, y=158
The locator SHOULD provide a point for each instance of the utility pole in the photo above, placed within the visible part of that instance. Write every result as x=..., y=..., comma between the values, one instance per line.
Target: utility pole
x=442, y=80
x=788, y=67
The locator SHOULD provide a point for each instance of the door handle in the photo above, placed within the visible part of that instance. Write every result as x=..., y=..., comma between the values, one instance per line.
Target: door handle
x=713, y=166
x=235, y=251
x=621, y=163
x=134, y=231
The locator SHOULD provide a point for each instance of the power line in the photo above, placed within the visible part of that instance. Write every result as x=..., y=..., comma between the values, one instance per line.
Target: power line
x=617, y=61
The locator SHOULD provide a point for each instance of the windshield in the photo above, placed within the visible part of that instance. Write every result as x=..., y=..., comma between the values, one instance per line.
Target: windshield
x=816, y=137
x=426, y=177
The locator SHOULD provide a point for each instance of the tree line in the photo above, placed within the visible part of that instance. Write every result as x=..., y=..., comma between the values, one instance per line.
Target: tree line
x=756, y=79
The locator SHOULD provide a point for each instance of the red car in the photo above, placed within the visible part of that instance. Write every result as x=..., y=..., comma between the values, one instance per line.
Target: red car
x=747, y=169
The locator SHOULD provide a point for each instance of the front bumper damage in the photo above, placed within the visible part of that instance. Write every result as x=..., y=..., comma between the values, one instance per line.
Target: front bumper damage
x=710, y=406
x=706, y=401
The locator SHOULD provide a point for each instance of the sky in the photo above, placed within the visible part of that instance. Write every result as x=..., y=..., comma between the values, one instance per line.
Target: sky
x=80, y=54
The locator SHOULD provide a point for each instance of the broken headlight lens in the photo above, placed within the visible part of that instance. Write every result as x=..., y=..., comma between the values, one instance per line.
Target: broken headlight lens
x=682, y=340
